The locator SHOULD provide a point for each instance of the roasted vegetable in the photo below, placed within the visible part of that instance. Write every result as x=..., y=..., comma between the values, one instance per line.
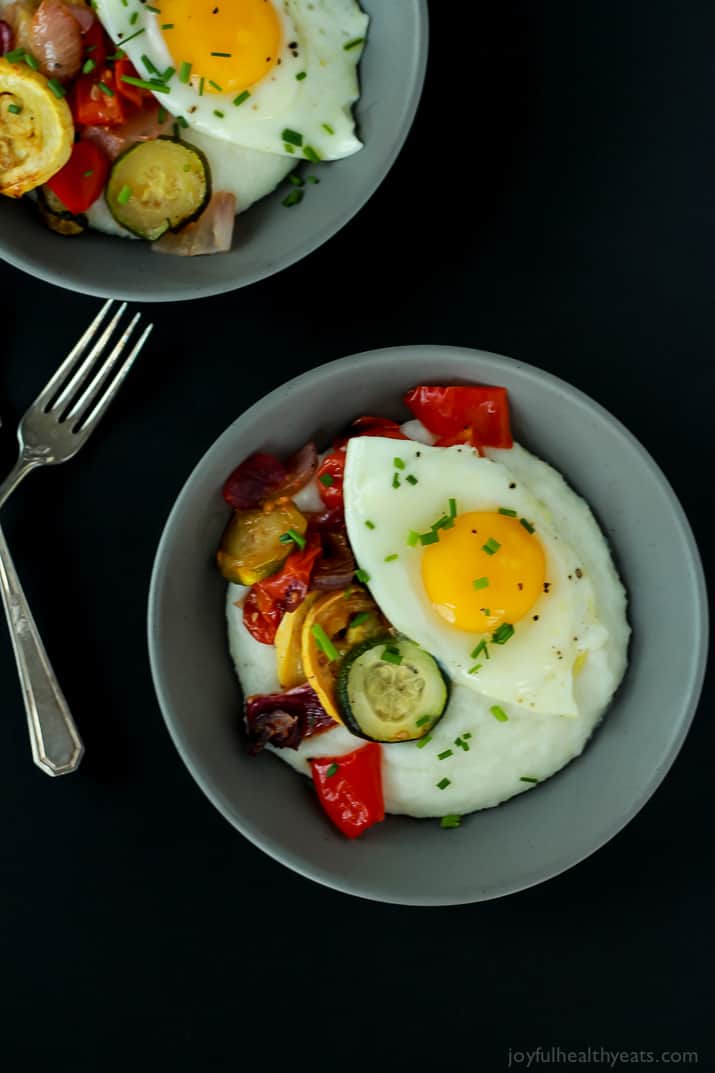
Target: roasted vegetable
x=269, y=600
x=57, y=216
x=289, y=659
x=389, y=689
x=284, y=719
x=262, y=476
x=80, y=182
x=256, y=543
x=36, y=131
x=323, y=642
x=350, y=788
x=157, y=186
x=211, y=233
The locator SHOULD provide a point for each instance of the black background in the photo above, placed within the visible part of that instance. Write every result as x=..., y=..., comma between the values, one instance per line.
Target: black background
x=554, y=202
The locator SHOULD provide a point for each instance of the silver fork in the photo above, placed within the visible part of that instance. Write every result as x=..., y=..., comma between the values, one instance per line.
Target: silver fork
x=56, y=426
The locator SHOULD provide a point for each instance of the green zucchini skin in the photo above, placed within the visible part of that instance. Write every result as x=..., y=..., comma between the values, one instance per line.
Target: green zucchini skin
x=384, y=700
x=136, y=161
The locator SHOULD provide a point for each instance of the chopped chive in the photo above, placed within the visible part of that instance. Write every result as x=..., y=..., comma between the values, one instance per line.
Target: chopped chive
x=369, y=524
x=154, y=86
x=31, y=61
x=328, y=129
x=332, y=770
x=443, y=784
x=422, y=720
x=154, y=10
x=326, y=479
x=133, y=18
x=467, y=734
x=223, y=55
x=86, y=174
x=475, y=668
x=462, y=744
x=507, y=512
x=499, y=713
x=486, y=611
x=288, y=148
x=311, y=154
x=132, y=36
x=391, y=558
x=391, y=655
x=479, y=650
x=453, y=508
x=181, y=121
x=429, y=538
x=444, y=522
x=491, y=547
x=106, y=90
x=124, y=194
x=503, y=633
x=296, y=180
x=162, y=114
x=527, y=525
x=450, y=823
x=357, y=620
x=59, y=90
x=411, y=479
x=291, y=535
x=324, y=643
x=312, y=179
x=168, y=73
x=150, y=66
x=395, y=481
x=399, y=463
x=202, y=83
x=118, y=55
x=527, y=778
x=14, y=109
x=167, y=26
x=219, y=114
x=241, y=98
x=445, y=754
x=292, y=137
x=354, y=43
x=362, y=576
x=423, y=741
x=413, y=538
x=15, y=56
x=293, y=198
x=88, y=66
x=480, y=582
x=219, y=89
x=300, y=76
x=184, y=72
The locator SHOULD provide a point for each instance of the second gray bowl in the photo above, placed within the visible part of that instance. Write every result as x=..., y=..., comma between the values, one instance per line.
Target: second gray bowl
x=535, y=835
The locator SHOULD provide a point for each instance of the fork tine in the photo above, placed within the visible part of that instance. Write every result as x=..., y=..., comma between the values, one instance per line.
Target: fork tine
x=55, y=383
x=78, y=378
x=89, y=422
x=82, y=403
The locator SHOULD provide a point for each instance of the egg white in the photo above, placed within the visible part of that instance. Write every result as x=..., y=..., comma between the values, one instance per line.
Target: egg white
x=501, y=755
x=535, y=668
x=318, y=106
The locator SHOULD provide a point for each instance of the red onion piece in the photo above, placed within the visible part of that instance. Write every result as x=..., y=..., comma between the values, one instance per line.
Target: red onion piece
x=211, y=233
x=300, y=468
x=83, y=15
x=336, y=566
x=7, y=37
x=57, y=40
x=253, y=481
x=142, y=127
x=284, y=719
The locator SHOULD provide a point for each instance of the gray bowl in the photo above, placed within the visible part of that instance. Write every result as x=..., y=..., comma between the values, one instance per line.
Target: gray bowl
x=534, y=836
x=269, y=237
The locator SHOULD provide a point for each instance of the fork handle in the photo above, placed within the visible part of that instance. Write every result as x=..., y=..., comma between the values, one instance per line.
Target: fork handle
x=56, y=746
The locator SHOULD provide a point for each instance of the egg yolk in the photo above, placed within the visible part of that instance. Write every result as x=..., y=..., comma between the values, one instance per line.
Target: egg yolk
x=487, y=569
x=231, y=44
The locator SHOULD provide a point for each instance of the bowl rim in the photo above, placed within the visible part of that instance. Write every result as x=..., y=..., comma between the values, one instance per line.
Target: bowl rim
x=690, y=698
x=38, y=270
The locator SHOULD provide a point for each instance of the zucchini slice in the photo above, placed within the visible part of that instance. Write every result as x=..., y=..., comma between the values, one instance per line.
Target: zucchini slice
x=391, y=690
x=158, y=185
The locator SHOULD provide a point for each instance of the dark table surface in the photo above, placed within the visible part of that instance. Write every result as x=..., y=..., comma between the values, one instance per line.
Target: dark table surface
x=555, y=203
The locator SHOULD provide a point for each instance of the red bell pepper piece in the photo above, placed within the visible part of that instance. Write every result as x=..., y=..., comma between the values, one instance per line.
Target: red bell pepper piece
x=331, y=473
x=80, y=182
x=350, y=788
x=269, y=600
x=94, y=106
x=96, y=45
x=477, y=415
x=133, y=94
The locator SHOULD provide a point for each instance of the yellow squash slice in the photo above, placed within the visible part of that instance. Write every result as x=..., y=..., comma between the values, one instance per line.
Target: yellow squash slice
x=289, y=660
x=36, y=130
x=331, y=614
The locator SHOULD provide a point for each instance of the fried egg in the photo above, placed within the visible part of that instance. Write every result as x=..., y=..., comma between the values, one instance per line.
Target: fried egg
x=278, y=76
x=462, y=558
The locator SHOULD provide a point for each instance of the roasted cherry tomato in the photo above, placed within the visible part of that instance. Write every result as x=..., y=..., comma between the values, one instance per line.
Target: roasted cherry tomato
x=80, y=182
x=350, y=788
x=96, y=101
x=477, y=415
x=378, y=426
x=268, y=601
x=331, y=473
